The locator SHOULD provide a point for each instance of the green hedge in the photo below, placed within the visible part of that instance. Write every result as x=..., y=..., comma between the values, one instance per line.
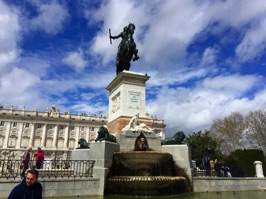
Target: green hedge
x=245, y=159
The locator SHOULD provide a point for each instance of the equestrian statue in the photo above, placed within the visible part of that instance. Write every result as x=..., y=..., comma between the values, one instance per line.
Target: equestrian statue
x=126, y=49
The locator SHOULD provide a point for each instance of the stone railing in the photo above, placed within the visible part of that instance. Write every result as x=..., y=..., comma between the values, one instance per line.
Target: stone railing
x=49, y=168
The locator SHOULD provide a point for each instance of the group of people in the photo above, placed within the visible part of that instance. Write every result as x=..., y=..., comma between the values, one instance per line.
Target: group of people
x=221, y=169
x=29, y=187
x=39, y=156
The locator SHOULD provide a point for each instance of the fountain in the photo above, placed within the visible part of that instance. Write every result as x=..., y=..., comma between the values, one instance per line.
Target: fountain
x=140, y=165
x=144, y=172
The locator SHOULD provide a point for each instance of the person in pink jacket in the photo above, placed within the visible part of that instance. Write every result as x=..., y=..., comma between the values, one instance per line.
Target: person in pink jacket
x=39, y=155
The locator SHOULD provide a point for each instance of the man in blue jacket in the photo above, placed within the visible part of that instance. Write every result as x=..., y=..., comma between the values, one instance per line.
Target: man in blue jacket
x=29, y=188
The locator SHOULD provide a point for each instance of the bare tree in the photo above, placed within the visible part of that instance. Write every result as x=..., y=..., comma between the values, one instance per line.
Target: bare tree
x=256, y=130
x=230, y=131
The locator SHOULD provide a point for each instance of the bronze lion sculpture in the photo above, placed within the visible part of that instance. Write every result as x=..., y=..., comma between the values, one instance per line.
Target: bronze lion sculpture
x=103, y=134
x=83, y=144
x=177, y=138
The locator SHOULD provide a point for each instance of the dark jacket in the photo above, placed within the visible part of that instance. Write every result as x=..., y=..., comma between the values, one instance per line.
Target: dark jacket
x=21, y=191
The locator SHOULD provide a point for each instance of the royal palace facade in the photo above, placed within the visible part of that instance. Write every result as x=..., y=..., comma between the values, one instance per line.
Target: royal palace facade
x=56, y=133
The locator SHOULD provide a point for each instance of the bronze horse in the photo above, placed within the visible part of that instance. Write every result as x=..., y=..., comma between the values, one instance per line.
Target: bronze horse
x=126, y=49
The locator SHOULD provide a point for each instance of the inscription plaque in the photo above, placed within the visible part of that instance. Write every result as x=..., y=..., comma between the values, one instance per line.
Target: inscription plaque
x=134, y=99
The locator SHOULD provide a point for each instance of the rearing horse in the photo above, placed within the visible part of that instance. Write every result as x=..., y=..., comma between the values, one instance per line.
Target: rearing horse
x=126, y=49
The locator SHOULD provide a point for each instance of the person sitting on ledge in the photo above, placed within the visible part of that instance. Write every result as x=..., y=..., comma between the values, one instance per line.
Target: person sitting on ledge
x=28, y=188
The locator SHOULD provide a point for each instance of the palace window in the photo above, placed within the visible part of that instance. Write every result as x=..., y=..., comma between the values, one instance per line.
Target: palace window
x=92, y=128
x=82, y=128
x=15, y=124
x=72, y=128
x=27, y=125
x=39, y=126
x=61, y=127
x=2, y=123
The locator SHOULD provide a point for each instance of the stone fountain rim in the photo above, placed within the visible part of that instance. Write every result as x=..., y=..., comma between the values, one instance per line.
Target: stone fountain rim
x=146, y=178
x=141, y=152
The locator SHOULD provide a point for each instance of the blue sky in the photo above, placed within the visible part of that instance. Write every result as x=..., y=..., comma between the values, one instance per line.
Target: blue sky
x=206, y=58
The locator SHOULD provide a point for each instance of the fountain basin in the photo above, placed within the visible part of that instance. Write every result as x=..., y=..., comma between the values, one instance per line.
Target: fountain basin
x=142, y=163
x=145, y=173
x=147, y=186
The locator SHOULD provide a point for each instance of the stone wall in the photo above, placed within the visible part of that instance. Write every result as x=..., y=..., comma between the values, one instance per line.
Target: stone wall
x=217, y=184
x=66, y=187
x=73, y=187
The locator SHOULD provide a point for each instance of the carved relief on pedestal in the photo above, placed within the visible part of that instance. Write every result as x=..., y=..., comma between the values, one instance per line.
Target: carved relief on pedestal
x=116, y=103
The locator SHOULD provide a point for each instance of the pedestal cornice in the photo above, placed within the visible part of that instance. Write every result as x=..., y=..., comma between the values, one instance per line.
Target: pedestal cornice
x=127, y=77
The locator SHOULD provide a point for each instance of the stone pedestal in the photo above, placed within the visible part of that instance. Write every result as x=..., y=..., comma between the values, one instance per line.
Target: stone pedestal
x=181, y=155
x=102, y=153
x=127, y=95
x=80, y=154
x=259, y=170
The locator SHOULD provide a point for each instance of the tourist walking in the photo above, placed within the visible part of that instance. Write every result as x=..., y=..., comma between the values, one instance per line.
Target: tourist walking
x=39, y=155
x=26, y=160
x=28, y=188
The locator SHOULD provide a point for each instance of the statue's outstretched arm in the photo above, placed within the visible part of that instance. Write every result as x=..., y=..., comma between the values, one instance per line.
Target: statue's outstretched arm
x=116, y=37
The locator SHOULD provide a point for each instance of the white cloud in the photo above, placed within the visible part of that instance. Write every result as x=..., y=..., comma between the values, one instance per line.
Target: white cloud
x=193, y=109
x=51, y=18
x=9, y=36
x=209, y=57
x=76, y=60
x=253, y=43
x=232, y=84
x=235, y=13
x=19, y=87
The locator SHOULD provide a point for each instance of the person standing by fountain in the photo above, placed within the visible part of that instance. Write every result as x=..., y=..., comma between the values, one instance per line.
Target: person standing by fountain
x=206, y=161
